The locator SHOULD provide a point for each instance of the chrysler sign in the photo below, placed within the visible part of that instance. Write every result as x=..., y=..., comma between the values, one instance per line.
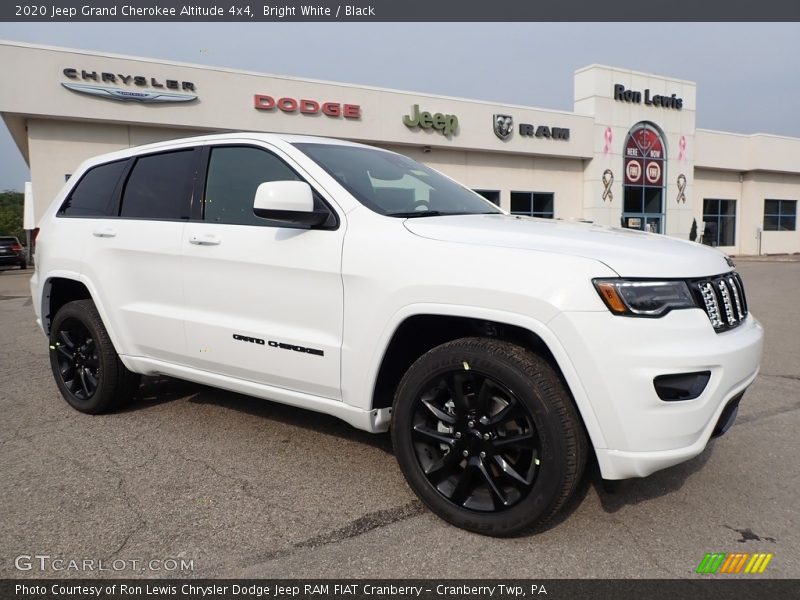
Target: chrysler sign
x=127, y=88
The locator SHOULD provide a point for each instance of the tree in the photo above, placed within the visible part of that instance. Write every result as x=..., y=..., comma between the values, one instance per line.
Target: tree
x=11, y=209
x=693, y=231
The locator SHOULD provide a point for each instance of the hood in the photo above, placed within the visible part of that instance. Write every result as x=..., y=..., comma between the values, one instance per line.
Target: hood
x=629, y=252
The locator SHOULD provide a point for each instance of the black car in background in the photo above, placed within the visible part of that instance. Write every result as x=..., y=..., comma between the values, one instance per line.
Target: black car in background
x=12, y=252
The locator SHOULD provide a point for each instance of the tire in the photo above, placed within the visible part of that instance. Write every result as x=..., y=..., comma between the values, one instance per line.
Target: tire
x=86, y=367
x=502, y=457
x=23, y=265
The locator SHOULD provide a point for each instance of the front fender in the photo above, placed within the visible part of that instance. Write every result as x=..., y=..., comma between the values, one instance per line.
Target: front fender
x=366, y=383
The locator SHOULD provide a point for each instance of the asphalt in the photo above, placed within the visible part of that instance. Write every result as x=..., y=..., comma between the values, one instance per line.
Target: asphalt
x=242, y=487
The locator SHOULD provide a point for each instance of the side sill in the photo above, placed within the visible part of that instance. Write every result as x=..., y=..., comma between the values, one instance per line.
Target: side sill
x=374, y=421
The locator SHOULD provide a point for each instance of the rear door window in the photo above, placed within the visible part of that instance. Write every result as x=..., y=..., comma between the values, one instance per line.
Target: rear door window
x=94, y=195
x=159, y=186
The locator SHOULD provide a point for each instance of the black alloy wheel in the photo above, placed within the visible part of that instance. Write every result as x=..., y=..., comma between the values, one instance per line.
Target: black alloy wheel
x=85, y=365
x=78, y=363
x=475, y=441
x=487, y=436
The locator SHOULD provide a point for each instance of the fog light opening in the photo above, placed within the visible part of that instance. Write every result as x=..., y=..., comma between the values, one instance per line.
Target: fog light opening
x=681, y=386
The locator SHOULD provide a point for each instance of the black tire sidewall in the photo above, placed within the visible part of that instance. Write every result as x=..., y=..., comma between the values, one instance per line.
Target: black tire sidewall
x=549, y=482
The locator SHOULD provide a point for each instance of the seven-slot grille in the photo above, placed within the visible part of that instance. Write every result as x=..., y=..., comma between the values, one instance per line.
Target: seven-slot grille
x=722, y=297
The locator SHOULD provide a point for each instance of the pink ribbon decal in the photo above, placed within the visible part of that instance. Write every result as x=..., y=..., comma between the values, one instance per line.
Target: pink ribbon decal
x=609, y=135
x=682, y=148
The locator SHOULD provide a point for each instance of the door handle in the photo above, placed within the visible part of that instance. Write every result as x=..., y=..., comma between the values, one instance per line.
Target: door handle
x=208, y=239
x=104, y=232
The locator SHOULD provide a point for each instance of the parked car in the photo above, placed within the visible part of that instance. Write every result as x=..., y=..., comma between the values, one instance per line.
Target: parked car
x=12, y=253
x=501, y=351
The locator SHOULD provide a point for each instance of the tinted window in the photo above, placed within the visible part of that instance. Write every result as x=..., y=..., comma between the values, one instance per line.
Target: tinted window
x=94, y=194
x=159, y=186
x=234, y=174
x=533, y=204
x=780, y=215
x=720, y=219
x=492, y=196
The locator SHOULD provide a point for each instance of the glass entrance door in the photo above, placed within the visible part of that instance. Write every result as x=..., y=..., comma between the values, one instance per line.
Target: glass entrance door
x=645, y=162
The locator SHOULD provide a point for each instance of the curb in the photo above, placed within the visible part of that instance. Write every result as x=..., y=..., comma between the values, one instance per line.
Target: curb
x=786, y=258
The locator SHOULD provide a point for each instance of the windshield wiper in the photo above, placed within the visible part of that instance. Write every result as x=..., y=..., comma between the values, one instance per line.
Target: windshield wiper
x=435, y=213
x=414, y=214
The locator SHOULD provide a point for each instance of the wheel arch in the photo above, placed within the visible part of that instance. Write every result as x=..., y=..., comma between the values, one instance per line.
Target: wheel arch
x=57, y=291
x=414, y=332
x=59, y=288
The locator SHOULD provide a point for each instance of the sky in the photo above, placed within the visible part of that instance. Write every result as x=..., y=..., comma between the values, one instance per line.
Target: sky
x=747, y=74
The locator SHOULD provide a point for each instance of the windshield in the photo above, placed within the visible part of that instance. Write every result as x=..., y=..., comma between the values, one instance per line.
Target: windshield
x=395, y=185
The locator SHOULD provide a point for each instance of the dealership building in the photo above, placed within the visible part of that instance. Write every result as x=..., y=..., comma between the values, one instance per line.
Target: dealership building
x=628, y=153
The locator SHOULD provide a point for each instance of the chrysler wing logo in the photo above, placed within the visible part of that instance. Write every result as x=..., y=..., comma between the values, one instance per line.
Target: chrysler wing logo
x=123, y=95
x=503, y=126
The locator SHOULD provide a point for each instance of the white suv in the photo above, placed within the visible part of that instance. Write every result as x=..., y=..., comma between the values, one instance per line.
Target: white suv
x=501, y=350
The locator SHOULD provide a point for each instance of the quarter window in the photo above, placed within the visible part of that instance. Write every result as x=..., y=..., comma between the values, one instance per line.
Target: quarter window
x=94, y=194
x=159, y=186
x=719, y=217
x=780, y=215
x=533, y=204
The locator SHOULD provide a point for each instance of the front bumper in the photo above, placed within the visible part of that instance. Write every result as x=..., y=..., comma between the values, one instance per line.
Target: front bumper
x=617, y=359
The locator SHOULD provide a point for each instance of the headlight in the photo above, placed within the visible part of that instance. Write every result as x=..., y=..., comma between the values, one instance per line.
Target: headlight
x=643, y=298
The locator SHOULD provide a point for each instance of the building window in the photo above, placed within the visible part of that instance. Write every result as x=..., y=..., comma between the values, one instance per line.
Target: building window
x=719, y=217
x=533, y=204
x=492, y=196
x=780, y=215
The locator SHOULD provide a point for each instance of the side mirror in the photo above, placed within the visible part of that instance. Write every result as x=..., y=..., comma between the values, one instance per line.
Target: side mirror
x=289, y=202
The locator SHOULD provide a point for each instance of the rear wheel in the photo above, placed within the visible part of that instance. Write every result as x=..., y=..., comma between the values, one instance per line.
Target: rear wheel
x=86, y=367
x=487, y=436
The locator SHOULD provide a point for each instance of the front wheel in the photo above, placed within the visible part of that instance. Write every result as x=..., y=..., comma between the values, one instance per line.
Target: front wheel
x=86, y=367
x=487, y=436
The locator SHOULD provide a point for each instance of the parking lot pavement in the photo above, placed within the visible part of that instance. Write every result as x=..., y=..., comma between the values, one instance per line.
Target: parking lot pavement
x=244, y=487
x=14, y=282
